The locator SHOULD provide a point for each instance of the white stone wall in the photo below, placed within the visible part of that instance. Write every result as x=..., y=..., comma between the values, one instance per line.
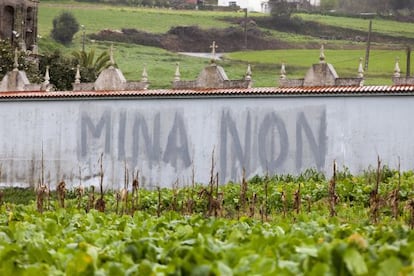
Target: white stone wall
x=165, y=138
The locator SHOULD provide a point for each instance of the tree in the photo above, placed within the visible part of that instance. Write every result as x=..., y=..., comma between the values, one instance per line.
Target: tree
x=64, y=27
x=62, y=70
x=281, y=9
x=402, y=4
x=327, y=5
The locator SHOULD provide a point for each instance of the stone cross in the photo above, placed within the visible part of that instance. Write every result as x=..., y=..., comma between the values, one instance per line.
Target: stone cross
x=213, y=51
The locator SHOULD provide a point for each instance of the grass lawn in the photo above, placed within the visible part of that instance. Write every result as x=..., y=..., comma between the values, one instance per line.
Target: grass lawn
x=380, y=69
x=99, y=17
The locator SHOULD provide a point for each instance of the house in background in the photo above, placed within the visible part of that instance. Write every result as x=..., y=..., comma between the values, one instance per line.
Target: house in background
x=262, y=6
x=250, y=5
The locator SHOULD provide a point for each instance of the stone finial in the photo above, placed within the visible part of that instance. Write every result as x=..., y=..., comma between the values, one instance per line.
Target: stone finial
x=397, y=70
x=16, y=60
x=177, y=75
x=35, y=49
x=47, y=77
x=144, y=76
x=77, y=76
x=283, y=72
x=248, y=73
x=360, y=69
x=111, y=55
x=213, y=52
x=322, y=54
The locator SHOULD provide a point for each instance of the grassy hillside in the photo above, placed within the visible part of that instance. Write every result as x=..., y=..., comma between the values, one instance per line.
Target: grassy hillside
x=265, y=64
x=99, y=17
x=382, y=26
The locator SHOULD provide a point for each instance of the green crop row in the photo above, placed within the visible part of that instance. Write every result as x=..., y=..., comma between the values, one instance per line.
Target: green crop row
x=278, y=225
x=72, y=242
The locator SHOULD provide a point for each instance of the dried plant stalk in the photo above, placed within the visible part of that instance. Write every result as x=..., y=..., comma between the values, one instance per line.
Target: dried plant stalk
x=395, y=195
x=41, y=194
x=284, y=203
x=100, y=203
x=374, y=196
x=61, y=192
x=297, y=199
x=332, y=195
x=243, y=192
x=91, y=199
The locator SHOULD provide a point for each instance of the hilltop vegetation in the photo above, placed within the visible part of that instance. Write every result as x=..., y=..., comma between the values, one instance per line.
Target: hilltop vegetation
x=304, y=31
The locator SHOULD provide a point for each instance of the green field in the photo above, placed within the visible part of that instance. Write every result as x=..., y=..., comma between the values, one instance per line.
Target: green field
x=346, y=62
x=99, y=17
x=265, y=64
x=382, y=26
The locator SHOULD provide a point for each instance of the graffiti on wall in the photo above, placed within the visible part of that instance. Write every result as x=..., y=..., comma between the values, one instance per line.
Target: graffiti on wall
x=272, y=141
x=133, y=137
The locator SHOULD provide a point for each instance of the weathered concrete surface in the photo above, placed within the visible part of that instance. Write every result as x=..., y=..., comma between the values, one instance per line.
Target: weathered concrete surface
x=14, y=81
x=212, y=76
x=164, y=138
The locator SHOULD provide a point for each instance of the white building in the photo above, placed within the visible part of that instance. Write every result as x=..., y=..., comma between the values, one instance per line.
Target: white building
x=250, y=5
x=315, y=2
x=257, y=5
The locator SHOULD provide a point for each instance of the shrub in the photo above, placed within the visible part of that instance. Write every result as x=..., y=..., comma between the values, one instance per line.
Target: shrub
x=62, y=70
x=25, y=62
x=64, y=27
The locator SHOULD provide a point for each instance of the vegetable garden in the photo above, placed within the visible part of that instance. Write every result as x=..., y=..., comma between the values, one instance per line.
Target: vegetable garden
x=269, y=225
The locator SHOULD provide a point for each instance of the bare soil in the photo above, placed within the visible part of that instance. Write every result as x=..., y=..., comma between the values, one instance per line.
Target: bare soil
x=235, y=38
x=194, y=39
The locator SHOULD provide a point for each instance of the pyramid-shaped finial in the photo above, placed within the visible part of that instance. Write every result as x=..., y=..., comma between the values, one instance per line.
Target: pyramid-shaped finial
x=360, y=68
x=16, y=60
x=177, y=75
x=322, y=54
x=397, y=70
x=248, y=73
x=47, y=77
x=213, y=52
x=77, y=76
x=144, y=76
x=283, y=72
x=111, y=55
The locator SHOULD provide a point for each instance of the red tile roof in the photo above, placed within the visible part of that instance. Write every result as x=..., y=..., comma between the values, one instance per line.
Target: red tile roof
x=259, y=91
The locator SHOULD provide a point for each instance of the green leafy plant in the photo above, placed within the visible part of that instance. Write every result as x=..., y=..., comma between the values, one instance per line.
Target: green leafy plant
x=90, y=67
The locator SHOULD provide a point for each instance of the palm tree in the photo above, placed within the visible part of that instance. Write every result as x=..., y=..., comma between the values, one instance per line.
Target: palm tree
x=91, y=67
